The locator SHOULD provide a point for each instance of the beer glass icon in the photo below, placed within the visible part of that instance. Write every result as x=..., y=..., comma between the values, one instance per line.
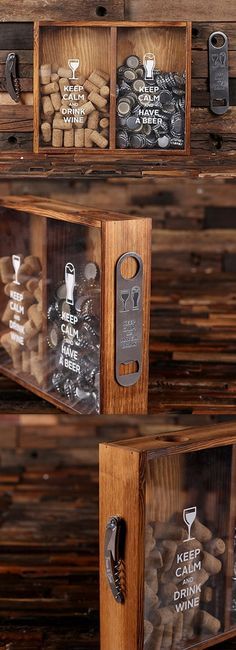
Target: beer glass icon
x=189, y=516
x=70, y=282
x=149, y=61
x=135, y=297
x=16, y=265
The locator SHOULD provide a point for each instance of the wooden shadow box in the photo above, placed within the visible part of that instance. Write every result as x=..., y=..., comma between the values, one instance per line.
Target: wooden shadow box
x=167, y=504
x=102, y=89
x=74, y=304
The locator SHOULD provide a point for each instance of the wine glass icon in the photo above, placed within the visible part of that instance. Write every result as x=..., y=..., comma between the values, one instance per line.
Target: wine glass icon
x=124, y=294
x=73, y=65
x=16, y=265
x=189, y=516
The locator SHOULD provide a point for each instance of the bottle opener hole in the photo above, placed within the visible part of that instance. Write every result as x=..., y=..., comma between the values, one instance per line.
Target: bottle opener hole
x=129, y=268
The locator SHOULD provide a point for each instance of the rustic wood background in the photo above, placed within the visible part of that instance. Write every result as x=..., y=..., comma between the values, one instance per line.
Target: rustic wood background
x=49, y=525
x=193, y=338
x=213, y=139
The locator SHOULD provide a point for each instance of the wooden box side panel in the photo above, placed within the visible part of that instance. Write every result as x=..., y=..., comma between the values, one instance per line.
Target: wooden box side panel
x=122, y=492
x=119, y=238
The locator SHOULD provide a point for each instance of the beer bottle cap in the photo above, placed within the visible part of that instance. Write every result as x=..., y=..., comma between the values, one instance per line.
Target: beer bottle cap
x=163, y=141
x=91, y=271
x=129, y=75
x=123, y=108
x=132, y=61
x=53, y=336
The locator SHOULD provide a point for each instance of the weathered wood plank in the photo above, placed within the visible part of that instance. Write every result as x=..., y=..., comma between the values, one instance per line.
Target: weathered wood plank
x=15, y=35
x=181, y=10
x=16, y=118
x=202, y=31
x=54, y=10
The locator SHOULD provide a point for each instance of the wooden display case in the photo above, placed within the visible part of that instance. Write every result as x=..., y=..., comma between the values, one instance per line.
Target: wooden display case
x=74, y=297
x=97, y=108
x=172, y=500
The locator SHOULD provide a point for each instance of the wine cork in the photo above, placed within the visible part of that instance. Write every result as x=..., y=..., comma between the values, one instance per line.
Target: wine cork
x=82, y=122
x=88, y=107
x=90, y=87
x=69, y=138
x=105, y=91
x=45, y=73
x=216, y=546
x=16, y=360
x=163, y=531
x=188, y=618
x=87, y=138
x=165, y=615
x=50, y=88
x=79, y=137
x=150, y=598
x=32, y=343
x=57, y=137
x=99, y=140
x=211, y=564
x=64, y=73
x=40, y=347
x=6, y=269
x=105, y=133
x=207, y=594
x=56, y=100
x=54, y=66
x=93, y=120
x=155, y=559
x=32, y=285
x=37, y=368
x=167, y=636
x=24, y=273
x=26, y=361
x=54, y=76
x=96, y=79
x=148, y=628
x=7, y=314
x=151, y=579
x=47, y=106
x=178, y=629
x=30, y=329
x=102, y=74
x=59, y=123
x=62, y=83
x=38, y=294
x=104, y=123
x=6, y=342
x=169, y=553
x=208, y=622
x=201, y=532
x=35, y=314
x=155, y=642
x=46, y=131
x=167, y=592
x=34, y=263
x=97, y=100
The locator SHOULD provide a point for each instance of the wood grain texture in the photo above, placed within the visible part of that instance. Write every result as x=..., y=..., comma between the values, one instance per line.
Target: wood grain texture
x=121, y=492
x=180, y=10
x=75, y=10
x=118, y=238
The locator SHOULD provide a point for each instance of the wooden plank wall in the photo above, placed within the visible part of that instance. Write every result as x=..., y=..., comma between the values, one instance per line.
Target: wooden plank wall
x=193, y=341
x=49, y=525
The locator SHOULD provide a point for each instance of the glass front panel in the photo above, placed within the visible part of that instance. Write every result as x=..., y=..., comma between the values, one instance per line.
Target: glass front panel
x=151, y=80
x=187, y=547
x=74, y=87
x=50, y=307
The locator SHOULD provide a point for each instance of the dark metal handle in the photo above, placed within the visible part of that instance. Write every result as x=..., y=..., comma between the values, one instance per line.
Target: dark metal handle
x=219, y=74
x=12, y=82
x=113, y=552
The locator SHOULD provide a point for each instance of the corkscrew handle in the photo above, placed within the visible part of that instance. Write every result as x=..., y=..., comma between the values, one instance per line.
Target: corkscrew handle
x=114, y=541
x=12, y=82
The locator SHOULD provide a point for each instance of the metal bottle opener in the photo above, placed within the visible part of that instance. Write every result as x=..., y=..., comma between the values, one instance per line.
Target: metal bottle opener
x=129, y=307
x=219, y=74
x=12, y=82
x=115, y=531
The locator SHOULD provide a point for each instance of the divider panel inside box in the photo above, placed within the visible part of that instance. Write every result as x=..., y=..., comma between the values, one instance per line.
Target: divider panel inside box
x=74, y=67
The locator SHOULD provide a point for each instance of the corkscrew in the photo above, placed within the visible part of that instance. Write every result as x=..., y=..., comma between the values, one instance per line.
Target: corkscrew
x=114, y=546
x=12, y=82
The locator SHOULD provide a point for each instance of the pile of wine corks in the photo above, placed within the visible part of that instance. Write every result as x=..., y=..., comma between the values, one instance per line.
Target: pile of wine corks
x=74, y=113
x=180, y=580
x=22, y=316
